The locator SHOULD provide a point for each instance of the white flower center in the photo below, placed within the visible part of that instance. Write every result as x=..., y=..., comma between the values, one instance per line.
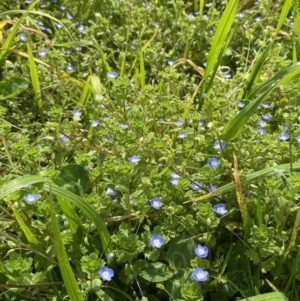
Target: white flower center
x=105, y=275
x=156, y=242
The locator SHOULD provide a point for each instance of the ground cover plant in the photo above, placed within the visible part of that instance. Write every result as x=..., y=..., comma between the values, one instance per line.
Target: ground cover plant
x=149, y=150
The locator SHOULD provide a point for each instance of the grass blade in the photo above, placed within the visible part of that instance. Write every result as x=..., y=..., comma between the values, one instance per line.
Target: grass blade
x=297, y=21
x=235, y=126
x=222, y=31
x=258, y=175
x=63, y=260
x=220, y=35
x=21, y=182
x=35, y=81
x=241, y=200
x=6, y=46
x=255, y=73
x=86, y=208
x=284, y=12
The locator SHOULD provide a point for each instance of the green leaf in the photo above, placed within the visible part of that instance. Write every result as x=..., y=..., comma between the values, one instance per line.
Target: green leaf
x=156, y=272
x=181, y=254
x=12, y=87
x=275, y=296
x=74, y=178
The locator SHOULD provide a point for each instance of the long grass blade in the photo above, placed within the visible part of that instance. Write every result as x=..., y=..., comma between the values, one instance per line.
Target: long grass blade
x=221, y=33
x=284, y=12
x=255, y=73
x=63, y=260
x=235, y=126
x=4, y=50
x=87, y=209
x=258, y=175
x=297, y=21
x=240, y=199
x=31, y=238
x=214, y=56
x=35, y=81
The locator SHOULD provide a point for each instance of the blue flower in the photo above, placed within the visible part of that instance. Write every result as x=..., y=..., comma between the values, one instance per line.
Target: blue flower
x=266, y=106
x=111, y=192
x=133, y=201
x=156, y=241
x=156, y=203
x=94, y=124
x=146, y=5
x=179, y=122
x=71, y=68
x=220, y=209
x=28, y=1
x=112, y=74
x=261, y=123
x=69, y=16
x=266, y=116
x=174, y=178
x=62, y=7
x=219, y=145
x=283, y=136
x=43, y=52
x=134, y=159
x=170, y=62
x=106, y=273
x=213, y=162
x=81, y=28
x=123, y=126
x=262, y=131
x=63, y=138
x=298, y=139
x=68, y=51
x=201, y=252
x=22, y=37
x=31, y=198
x=204, y=95
x=257, y=19
x=240, y=104
x=59, y=25
x=109, y=256
x=197, y=186
x=182, y=135
x=76, y=114
x=199, y=275
x=201, y=122
x=78, y=48
x=211, y=187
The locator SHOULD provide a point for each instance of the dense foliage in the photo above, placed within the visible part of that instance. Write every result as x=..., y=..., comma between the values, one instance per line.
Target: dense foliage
x=149, y=150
